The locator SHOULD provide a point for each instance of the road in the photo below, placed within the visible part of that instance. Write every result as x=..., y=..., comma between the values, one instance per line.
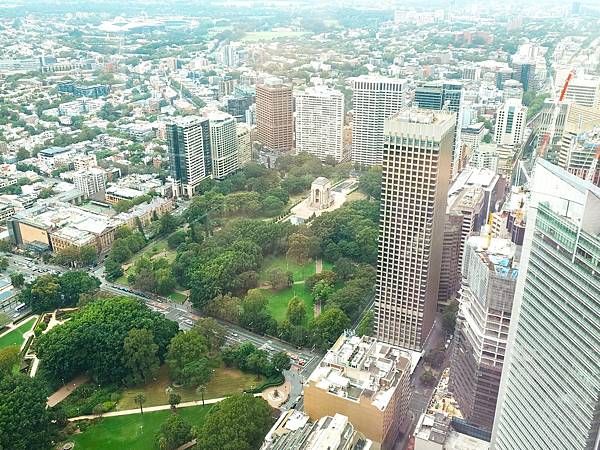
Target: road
x=421, y=394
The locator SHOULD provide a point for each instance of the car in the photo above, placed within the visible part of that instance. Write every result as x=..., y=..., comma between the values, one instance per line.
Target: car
x=234, y=334
x=301, y=362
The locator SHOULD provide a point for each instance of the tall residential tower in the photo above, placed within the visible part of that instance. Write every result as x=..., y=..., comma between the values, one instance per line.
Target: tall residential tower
x=375, y=99
x=415, y=177
x=275, y=115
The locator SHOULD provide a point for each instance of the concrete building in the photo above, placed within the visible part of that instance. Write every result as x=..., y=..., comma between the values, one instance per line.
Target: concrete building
x=584, y=90
x=512, y=89
x=365, y=380
x=550, y=388
x=275, y=115
x=472, y=135
x=375, y=99
x=486, y=156
x=435, y=432
x=511, y=120
x=189, y=152
x=415, y=177
x=90, y=182
x=223, y=144
x=244, y=143
x=489, y=274
x=84, y=162
x=293, y=430
x=320, y=122
x=444, y=95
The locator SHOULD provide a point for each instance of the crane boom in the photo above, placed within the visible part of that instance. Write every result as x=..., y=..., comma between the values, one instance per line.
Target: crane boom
x=555, y=112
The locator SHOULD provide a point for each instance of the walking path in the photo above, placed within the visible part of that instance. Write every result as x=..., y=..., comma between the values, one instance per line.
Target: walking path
x=128, y=412
x=319, y=265
x=66, y=390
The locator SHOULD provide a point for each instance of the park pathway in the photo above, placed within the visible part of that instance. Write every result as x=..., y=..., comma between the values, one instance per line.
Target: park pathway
x=319, y=265
x=128, y=412
x=66, y=390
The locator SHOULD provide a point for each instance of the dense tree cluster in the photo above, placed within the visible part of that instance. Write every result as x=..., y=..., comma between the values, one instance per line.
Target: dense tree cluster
x=152, y=275
x=248, y=358
x=93, y=341
x=239, y=422
x=49, y=292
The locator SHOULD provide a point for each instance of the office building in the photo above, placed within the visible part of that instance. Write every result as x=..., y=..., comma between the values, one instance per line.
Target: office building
x=584, y=90
x=489, y=276
x=415, y=177
x=293, y=430
x=223, y=144
x=274, y=115
x=472, y=135
x=365, y=380
x=375, y=98
x=90, y=182
x=512, y=89
x=486, y=156
x=320, y=122
x=511, y=120
x=524, y=73
x=444, y=95
x=189, y=152
x=550, y=390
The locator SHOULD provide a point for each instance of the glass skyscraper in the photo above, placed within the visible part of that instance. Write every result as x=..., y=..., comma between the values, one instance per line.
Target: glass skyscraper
x=550, y=390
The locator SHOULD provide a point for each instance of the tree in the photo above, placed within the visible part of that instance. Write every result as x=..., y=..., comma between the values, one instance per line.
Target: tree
x=9, y=356
x=370, y=183
x=296, y=311
x=281, y=362
x=187, y=359
x=327, y=327
x=43, y=295
x=344, y=269
x=113, y=269
x=302, y=247
x=140, y=356
x=322, y=291
x=3, y=264
x=17, y=279
x=22, y=154
x=213, y=333
x=167, y=223
x=427, y=378
x=365, y=327
x=201, y=389
x=88, y=255
x=279, y=279
x=140, y=399
x=449, y=317
x=73, y=284
x=174, y=432
x=239, y=422
x=272, y=206
x=176, y=239
x=24, y=419
x=174, y=400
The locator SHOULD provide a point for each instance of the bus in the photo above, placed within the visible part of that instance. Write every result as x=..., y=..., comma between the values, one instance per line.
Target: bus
x=20, y=307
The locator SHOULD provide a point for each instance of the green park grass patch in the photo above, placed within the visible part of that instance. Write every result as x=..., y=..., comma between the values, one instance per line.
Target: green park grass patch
x=300, y=271
x=15, y=337
x=224, y=382
x=134, y=431
x=177, y=297
x=278, y=301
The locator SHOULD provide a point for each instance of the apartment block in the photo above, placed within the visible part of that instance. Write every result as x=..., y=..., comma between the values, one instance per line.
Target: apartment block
x=275, y=115
x=365, y=380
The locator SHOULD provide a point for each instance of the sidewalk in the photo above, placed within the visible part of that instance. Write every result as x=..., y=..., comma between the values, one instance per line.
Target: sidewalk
x=66, y=390
x=128, y=412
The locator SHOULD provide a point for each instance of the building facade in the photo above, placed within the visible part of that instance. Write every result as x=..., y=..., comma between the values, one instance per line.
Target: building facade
x=320, y=122
x=489, y=274
x=189, y=152
x=223, y=145
x=511, y=120
x=90, y=182
x=550, y=390
x=415, y=178
x=375, y=99
x=275, y=115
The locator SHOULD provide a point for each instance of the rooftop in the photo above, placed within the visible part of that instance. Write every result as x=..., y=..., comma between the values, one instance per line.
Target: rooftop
x=436, y=428
x=356, y=368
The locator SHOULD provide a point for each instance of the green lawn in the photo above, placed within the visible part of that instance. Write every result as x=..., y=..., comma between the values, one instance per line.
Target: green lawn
x=132, y=432
x=278, y=301
x=177, y=297
x=257, y=36
x=155, y=249
x=15, y=337
x=300, y=272
x=224, y=382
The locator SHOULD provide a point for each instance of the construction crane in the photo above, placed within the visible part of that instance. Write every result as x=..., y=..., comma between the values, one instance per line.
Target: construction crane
x=592, y=170
x=555, y=112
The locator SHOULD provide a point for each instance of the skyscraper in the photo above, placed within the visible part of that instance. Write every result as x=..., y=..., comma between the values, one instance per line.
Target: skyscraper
x=223, y=144
x=375, y=99
x=275, y=115
x=320, y=122
x=489, y=274
x=511, y=120
x=415, y=177
x=439, y=95
x=188, y=139
x=550, y=390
